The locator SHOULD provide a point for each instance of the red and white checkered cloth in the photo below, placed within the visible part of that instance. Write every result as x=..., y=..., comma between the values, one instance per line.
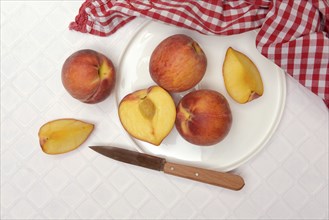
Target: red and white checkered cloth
x=293, y=34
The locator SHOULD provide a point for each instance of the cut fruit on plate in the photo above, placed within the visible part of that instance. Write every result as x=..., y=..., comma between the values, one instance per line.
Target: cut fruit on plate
x=148, y=114
x=242, y=79
x=63, y=135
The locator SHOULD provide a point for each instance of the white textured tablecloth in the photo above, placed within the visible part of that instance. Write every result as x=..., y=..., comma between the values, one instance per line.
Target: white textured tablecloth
x=288, y=179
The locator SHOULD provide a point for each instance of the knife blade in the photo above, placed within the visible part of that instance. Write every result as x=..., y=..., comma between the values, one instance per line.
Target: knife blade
x=222, y=179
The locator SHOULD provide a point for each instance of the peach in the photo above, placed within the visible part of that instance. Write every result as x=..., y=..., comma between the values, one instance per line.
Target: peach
x=148, y=114
x=88, y=76
x=242, y=79
x=63, y=135
x=203, y=117
x=178, y=63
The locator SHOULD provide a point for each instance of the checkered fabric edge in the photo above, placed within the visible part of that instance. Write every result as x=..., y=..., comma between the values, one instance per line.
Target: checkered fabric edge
x=293, y=34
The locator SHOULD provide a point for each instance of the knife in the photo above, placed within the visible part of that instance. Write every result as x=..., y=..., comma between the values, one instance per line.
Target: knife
x=226, y=180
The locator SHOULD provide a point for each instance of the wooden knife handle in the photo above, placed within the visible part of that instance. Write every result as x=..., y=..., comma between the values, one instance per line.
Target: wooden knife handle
x=226, y=180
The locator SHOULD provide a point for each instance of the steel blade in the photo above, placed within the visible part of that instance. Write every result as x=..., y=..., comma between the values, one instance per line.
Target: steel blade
x=131, y=157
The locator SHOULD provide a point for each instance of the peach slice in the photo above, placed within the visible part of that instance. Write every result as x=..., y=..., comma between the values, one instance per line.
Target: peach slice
x=63, y=135
x=148, y=114
x=242, y=79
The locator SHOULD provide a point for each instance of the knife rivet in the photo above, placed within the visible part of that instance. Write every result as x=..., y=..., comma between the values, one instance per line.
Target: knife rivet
x=171, y=168
x=196, y=174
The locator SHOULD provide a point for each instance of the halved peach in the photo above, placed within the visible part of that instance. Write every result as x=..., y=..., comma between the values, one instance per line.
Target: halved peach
x=148, y=114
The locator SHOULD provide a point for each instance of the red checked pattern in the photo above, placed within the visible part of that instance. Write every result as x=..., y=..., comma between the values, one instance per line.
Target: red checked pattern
x=293, y=34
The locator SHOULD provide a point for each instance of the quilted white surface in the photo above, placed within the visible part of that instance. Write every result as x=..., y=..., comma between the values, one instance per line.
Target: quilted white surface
x=287, y=180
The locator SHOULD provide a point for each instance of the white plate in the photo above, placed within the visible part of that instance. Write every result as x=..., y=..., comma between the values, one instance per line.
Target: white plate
x=253, y=123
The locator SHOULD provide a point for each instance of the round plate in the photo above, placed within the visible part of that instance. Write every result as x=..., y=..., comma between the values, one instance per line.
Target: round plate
x=253, y=123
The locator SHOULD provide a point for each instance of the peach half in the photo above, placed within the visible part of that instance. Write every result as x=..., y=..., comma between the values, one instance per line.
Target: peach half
x=148, y=114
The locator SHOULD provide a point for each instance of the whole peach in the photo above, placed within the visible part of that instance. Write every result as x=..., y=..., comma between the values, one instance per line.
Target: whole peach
x=178, y=63
x=88, y=76
x=203, y=117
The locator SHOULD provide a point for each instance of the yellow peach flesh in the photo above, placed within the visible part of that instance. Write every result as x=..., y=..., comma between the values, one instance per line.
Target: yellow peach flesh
x=241, y=76
x=148, y=114
x=63, y=135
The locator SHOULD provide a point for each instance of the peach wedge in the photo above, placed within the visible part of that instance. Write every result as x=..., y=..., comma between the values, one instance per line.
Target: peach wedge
x=242, y=79
x=63, y=135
